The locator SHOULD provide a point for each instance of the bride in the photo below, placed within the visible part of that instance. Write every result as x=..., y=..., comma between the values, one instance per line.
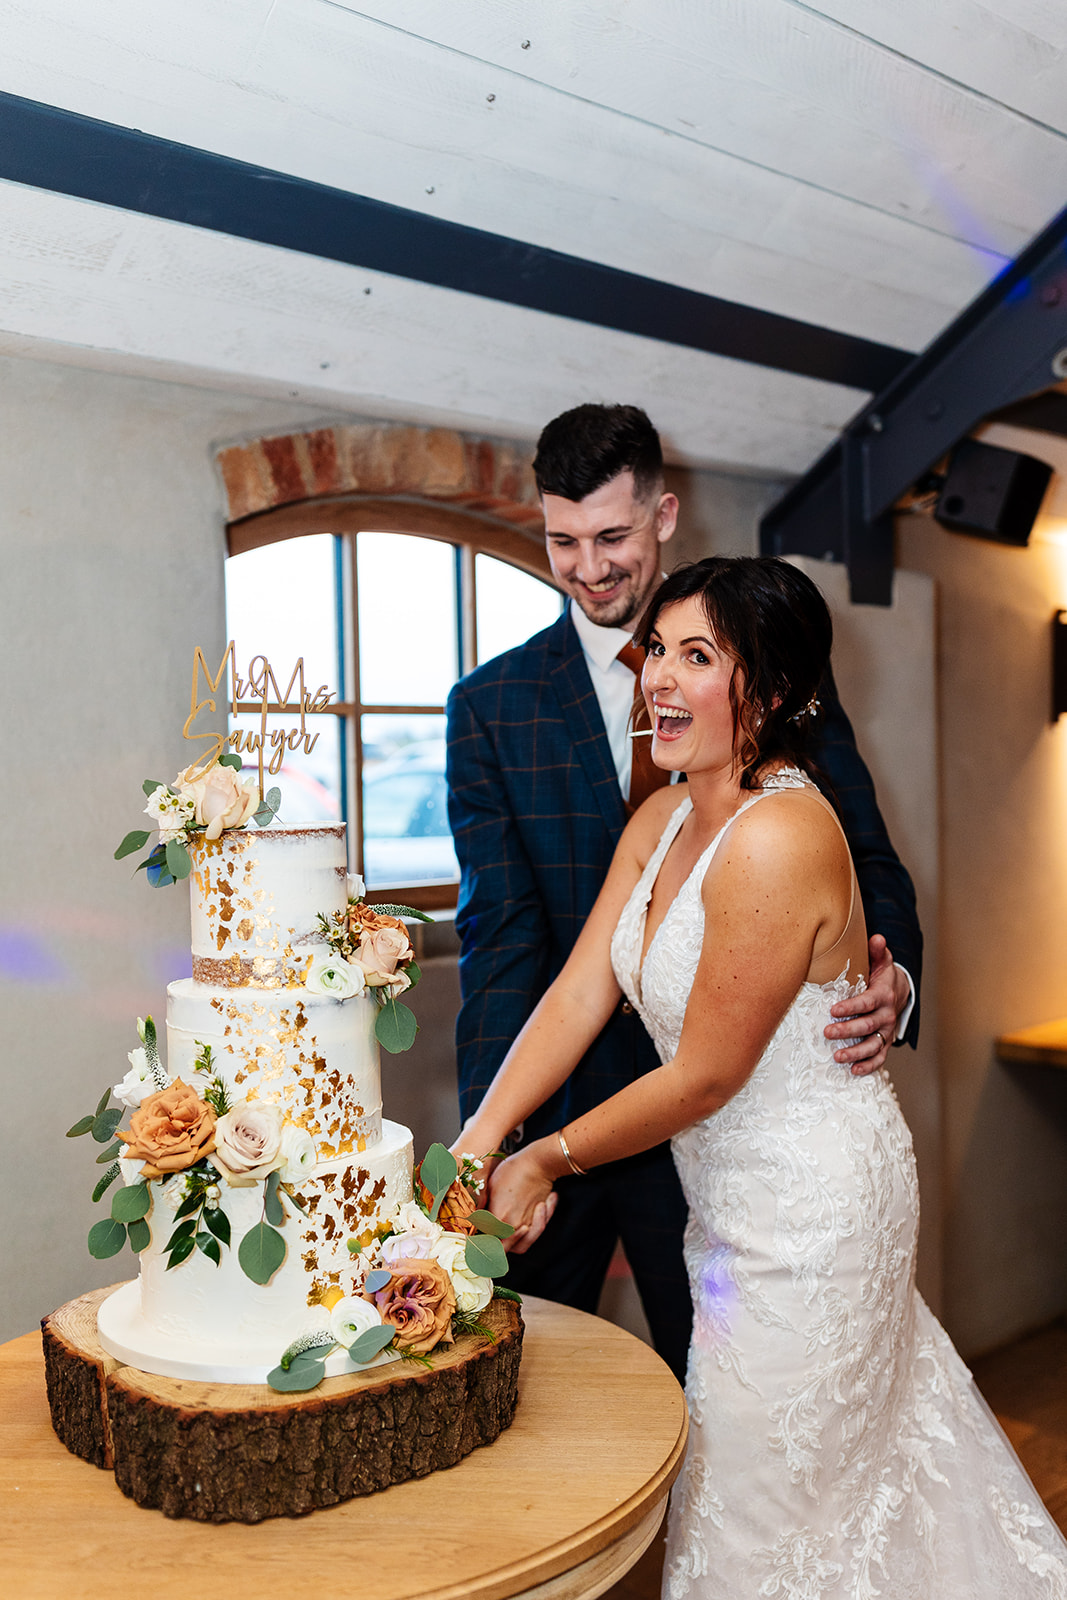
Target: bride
x=838, y=1449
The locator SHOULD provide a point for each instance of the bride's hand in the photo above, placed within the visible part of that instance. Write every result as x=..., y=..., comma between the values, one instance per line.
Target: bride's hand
x=521, y=1192
x=472, y=1143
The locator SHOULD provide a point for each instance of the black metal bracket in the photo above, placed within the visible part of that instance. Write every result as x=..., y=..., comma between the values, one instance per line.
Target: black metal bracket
x=1008, y=345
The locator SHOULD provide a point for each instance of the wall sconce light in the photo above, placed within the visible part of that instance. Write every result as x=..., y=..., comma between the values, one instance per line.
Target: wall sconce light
x=1059, y=665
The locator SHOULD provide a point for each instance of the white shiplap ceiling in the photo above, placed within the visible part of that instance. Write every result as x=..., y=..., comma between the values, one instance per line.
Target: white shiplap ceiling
x=859, y=165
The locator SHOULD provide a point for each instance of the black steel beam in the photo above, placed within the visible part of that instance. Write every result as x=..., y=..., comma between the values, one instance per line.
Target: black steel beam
x=49, y=148
x=1008, y=345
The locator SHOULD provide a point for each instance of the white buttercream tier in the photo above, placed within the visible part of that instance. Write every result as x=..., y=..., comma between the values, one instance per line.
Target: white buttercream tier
x=214, y=1324
x=313, y=1055
x=256, y=896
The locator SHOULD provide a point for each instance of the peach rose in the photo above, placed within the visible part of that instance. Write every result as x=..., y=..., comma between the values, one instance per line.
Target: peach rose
x=418, y=1301
x=220, y=799
x=456, y=1207
x=170, y=1131
x=381, y=951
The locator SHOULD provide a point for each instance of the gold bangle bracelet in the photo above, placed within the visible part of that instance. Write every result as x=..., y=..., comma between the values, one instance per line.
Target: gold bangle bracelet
x=568, y=1158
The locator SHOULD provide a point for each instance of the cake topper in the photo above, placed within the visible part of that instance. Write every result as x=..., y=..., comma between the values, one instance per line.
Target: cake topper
x=209, y=796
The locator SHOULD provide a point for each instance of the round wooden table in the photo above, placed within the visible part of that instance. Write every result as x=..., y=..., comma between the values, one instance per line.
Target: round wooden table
x=558, y=1508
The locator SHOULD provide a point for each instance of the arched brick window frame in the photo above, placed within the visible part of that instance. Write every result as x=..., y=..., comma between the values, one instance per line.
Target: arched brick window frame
x=476, y=493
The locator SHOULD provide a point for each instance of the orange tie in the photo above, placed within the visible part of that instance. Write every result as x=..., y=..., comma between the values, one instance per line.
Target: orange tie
x=645, y=776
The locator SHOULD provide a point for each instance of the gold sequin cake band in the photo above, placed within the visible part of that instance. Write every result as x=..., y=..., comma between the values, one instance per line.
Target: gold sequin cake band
x=240, y=972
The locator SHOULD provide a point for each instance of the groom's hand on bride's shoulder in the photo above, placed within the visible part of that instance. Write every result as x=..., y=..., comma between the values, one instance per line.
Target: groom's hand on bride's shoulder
x=866, y=1024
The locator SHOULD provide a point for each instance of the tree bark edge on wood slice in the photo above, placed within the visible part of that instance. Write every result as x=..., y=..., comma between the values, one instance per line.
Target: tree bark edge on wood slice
x=180, y=1448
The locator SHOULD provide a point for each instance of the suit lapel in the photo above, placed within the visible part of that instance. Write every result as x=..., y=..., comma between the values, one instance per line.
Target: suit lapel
x=581, y=710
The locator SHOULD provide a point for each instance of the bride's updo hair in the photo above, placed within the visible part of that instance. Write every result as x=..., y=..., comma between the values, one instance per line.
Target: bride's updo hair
x=772, y=620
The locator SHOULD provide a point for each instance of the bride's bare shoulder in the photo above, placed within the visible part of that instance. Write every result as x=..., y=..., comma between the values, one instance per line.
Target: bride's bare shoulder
x=789, y=827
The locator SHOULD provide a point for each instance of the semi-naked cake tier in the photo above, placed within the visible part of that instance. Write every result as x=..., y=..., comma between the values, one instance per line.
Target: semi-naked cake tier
x=256, y=898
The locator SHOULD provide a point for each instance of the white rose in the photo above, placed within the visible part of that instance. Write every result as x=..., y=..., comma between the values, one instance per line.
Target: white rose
x=401, y=1247
x=137, y=1083
x=351, y=1317
x=411, y=1218
x=130, y=1171
x=296, y=1152
x=332, y=976
x=248, y=1142
x=356, y=887
x=472, y=1293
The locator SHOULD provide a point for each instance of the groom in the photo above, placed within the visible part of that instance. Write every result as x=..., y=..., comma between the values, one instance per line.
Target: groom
x=541, y=779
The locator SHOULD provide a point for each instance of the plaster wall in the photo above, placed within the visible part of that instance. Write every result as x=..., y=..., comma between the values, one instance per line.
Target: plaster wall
x=1003, y=917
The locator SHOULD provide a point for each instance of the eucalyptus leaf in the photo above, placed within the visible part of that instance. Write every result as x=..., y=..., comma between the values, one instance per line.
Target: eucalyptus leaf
x=178, y=1251
x=106, y=1238
x=218, y=1223
x=104, y=1098
x=140, y=1235
x=295, y=1198
x=209, y=1247
x=438, y=1172
x=485, y=1222
x=81, y=1126
x=371, y=1343
x=273, y=798
x=261, y=1253
x=179, y=861
x=263, y=817
x=485, y=1257
x=156, y=871
x=135, y=840
x=395, y=1027
x=376, y=1280
x=231, y=759
x=414, y=972
x=149, y=787
x=132, y=1203
x=272, y=1205
x=106, y=1181
x=113, y=1150
x=305, y=1372
x=104, y=1125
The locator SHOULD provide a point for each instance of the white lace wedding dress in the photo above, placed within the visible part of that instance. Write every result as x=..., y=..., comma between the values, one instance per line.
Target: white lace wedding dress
x=839, y=1449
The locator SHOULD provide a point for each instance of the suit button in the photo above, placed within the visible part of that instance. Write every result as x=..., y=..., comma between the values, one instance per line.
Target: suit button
x=627, y=1009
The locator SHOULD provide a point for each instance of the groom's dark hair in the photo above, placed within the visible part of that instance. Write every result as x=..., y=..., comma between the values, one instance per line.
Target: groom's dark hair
x=583, y=449
x=771, y=619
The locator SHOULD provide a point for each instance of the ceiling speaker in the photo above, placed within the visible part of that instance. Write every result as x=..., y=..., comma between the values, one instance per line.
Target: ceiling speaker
x=993, y=493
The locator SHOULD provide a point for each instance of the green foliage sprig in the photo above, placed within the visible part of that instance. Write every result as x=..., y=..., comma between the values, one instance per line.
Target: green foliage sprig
x=171, y=862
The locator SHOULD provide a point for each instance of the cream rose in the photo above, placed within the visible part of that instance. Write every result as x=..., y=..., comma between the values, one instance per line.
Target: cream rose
x=381, y=951
x=296, y=1153
x=473, y=1293
x=248, y=1142
x=351, y=1317
x=219, y=798
x=331, y=975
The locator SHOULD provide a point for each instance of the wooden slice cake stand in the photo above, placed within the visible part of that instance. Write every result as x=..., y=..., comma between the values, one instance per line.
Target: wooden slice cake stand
x=240, y=1453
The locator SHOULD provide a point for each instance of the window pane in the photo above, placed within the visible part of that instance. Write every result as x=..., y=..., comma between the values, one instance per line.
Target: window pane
x=405, y=819
x=510, y=605
x=281, y=603
x=310, y=783
x=407, y=619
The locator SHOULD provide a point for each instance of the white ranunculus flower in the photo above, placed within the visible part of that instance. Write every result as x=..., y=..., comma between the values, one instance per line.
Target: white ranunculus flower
x=296, y=1152
x=137, y=1083
x=351, y=1317
x=248, y=1141
x=332, y=976
x=472, y=1292
x=356, y=887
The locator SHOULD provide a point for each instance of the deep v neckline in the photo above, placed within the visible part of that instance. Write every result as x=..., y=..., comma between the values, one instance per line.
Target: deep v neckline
x=655, y=865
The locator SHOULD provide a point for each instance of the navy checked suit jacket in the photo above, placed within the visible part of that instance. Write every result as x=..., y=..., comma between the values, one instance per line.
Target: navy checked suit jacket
x=536, y=812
